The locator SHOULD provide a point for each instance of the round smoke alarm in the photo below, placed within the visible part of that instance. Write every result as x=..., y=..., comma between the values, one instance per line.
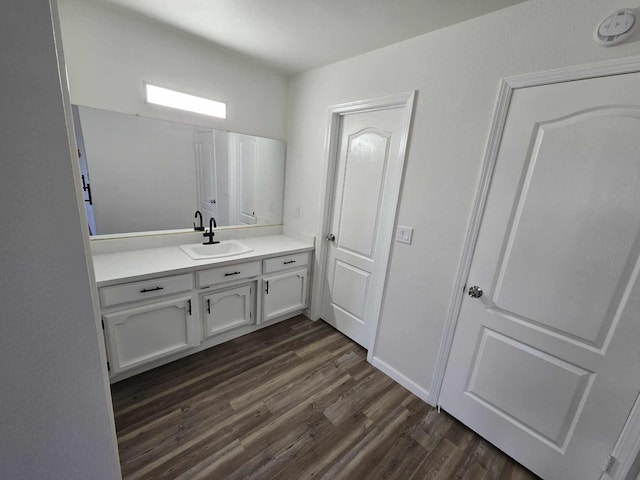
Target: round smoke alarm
x=616, y=28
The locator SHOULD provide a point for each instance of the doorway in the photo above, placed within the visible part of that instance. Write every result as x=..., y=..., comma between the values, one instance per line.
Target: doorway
x=544, y=360
x=365, y=159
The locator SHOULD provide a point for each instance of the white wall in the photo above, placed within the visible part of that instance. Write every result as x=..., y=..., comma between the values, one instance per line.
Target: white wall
x=456, y=72
x=56, y=420
x=109, y=55
x=143, y=171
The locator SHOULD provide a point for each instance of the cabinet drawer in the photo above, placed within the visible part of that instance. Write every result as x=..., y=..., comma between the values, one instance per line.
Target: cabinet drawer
x=286, y=262
x=227, y=274
x=157, y=287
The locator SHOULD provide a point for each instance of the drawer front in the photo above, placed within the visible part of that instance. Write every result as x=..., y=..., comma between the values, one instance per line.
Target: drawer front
x=286, y=262
x=158, y=287
x=227, y=274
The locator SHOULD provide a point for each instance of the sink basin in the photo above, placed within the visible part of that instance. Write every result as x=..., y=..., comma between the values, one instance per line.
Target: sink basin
x=227, y=248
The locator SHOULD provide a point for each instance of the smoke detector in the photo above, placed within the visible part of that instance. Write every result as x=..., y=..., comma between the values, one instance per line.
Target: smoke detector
x=616, y=28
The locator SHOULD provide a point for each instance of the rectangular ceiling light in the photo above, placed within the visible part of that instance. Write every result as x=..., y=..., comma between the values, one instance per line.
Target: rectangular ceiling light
x=183, y=101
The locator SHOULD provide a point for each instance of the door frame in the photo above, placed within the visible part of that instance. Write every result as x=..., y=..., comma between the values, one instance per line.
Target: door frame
x=627, y=447
x=332, y=137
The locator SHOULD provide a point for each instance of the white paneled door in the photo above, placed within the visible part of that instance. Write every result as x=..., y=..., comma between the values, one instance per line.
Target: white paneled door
x=368, y=157
x=545, y=361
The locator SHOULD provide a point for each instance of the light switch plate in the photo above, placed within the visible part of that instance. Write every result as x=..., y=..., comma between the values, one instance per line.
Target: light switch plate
x=404, y=234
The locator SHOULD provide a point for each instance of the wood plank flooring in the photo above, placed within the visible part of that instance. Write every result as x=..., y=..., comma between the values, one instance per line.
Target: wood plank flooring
x=293, y=401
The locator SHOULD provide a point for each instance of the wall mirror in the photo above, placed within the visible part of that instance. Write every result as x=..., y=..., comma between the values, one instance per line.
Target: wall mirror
x=144, y=174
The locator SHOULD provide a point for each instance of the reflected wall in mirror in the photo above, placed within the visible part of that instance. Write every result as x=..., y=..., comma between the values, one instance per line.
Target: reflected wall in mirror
x=144, y=174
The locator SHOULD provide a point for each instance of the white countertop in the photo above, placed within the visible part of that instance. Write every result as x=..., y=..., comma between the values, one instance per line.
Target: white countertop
x=133, y=265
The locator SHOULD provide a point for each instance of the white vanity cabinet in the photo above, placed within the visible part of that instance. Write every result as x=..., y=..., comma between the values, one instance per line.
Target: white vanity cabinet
x=164, y=317
x=145, y=321
x=226, y=309
x=284, y=292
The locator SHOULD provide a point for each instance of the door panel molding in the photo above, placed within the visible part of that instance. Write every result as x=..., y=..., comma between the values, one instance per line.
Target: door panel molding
x=351, y=279
x=347, y=212
x=506, y=393
x=507, y=86
x=591, y=319
x=332, y=138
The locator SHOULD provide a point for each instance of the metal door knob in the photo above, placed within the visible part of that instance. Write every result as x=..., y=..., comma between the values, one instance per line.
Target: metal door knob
x=331, y=237
x=475, y=292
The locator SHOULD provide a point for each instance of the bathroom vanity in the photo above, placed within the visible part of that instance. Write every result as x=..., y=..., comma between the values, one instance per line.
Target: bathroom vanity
x=159, y=304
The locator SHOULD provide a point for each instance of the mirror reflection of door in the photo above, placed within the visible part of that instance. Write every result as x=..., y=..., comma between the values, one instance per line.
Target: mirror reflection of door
x=206, y=165
x=221, y=154
x=246, y=169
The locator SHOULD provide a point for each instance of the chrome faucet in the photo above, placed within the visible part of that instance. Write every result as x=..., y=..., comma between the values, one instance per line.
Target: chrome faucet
x=210, y=234
x=201, y=227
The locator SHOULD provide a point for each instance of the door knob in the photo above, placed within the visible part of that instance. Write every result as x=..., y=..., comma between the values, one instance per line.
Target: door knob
x=331, y=237
x=475, y=292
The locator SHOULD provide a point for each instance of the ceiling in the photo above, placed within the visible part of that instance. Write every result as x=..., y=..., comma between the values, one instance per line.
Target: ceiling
x=297, y=35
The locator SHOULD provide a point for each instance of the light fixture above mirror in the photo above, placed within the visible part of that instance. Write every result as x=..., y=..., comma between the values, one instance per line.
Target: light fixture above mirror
x=184, y=101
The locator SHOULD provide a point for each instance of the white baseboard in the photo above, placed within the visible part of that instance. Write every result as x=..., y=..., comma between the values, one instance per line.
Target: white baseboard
x=413, y=387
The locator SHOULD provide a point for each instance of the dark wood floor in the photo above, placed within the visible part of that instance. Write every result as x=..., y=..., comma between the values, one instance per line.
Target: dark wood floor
x=296, y=400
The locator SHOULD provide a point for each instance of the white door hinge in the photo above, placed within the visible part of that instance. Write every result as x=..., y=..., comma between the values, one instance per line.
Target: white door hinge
x=609, y=464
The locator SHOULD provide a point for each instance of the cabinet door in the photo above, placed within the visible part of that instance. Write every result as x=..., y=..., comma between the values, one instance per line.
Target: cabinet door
x=284, y=293
x=142, y=334
x=227, y=309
